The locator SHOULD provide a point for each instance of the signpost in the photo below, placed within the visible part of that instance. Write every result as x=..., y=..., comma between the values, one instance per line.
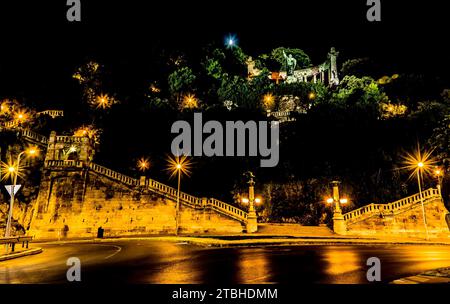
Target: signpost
x=12, y=190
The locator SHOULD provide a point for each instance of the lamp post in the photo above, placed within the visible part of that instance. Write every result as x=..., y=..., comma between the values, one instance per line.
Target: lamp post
x=439, y=173
x=420, y=166
x=177, y=216
x=252, y=218
x=13, y=170
x=339, y=224
x=177, y=166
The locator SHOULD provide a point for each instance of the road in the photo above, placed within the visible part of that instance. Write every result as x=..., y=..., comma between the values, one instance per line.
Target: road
x=147, y=261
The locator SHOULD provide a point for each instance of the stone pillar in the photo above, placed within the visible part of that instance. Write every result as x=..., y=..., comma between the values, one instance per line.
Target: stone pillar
x=142, y=181
x=333, y=72
x=204, y=201
x=315, y=78
x=339, y=224
x=51, y=149
x=252, y=219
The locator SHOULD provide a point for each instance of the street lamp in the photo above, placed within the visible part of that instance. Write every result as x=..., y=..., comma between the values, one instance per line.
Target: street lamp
x=420, y=167
x=14, y=171
x=418, y=163
x=143, y=164
x=252, y=219
x=336, y=201
x=178, y=166
x=439, y=173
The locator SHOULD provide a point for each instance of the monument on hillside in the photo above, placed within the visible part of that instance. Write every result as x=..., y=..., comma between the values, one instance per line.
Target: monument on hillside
x=291, y=64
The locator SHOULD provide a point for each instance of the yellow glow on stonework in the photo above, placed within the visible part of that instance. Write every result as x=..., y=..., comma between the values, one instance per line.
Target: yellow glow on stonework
x=89, y=131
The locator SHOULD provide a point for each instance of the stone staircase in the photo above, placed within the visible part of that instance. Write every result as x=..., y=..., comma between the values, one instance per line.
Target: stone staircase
x=156, y=187
x=393, y=208
x=150, y=184
x=294, y=230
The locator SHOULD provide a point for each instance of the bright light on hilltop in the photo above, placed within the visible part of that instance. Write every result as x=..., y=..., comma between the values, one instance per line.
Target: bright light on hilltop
x=231, y=41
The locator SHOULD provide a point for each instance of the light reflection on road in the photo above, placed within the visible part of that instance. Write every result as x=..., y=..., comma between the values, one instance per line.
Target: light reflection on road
x=147, y=261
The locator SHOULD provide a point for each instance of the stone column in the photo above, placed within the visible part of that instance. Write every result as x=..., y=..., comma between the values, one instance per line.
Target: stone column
x=339, y=224
x=142, y=181
x=252, y=219
x=204, y=201
x=333, y=72
x=315, y=78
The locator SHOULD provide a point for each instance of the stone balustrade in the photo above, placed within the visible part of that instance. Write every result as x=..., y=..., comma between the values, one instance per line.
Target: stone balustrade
x=35, y=137
x=51, y=113
x=113, y=174
x=393, y=207
x=170, y=192
x=228, y=209
x=63, y=164
x=69, y=139
x=151, y=184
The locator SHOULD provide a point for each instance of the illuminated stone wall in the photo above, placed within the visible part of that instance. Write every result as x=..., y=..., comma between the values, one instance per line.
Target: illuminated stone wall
x=405, y=223
x=75, y=203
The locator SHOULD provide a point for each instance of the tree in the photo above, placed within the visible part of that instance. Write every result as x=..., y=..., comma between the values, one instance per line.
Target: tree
x=180, y=81
x=362, y=91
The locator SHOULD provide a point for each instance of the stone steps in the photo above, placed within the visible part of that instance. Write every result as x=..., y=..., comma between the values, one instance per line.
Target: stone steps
x=293, y=229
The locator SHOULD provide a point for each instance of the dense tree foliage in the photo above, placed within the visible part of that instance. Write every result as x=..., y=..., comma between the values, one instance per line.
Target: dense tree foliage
x=355, y=132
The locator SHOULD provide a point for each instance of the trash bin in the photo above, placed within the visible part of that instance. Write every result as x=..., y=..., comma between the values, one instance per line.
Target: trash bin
x=100, y=232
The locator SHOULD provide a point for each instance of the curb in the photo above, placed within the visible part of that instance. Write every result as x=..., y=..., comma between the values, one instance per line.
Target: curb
x=212, y=242
x=436, y=276
x=20, y=254
x=421, y=279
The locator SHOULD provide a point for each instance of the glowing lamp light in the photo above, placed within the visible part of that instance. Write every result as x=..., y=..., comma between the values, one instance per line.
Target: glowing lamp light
x=245, y=200
x=330, y=200
x=257, y=200
x=231, y=41
x=143, y=164
x=32, y=151
x=343, y=201
x=11, y=169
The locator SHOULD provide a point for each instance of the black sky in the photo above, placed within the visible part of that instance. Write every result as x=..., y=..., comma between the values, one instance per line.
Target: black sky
x=39, y=48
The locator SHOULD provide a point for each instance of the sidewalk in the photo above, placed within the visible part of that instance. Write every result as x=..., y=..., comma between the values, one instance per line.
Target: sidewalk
x=19, y=253
x=437, y=276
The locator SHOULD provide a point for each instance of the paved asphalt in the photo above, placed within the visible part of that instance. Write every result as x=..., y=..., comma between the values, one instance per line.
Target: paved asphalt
x=147, y=261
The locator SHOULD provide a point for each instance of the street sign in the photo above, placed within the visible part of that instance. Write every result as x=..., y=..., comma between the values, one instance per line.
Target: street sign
x=10, y=187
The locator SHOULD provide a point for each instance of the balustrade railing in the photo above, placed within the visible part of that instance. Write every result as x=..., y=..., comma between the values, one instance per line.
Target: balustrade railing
x=63, y=164
x=40, y=139
x=113, y=174
x=390, y=207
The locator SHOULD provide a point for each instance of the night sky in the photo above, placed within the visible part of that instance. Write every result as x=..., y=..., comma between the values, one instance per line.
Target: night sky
x=40, y=49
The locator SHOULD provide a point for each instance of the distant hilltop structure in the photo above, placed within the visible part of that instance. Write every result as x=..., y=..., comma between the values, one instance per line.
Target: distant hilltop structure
x=326, y=72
